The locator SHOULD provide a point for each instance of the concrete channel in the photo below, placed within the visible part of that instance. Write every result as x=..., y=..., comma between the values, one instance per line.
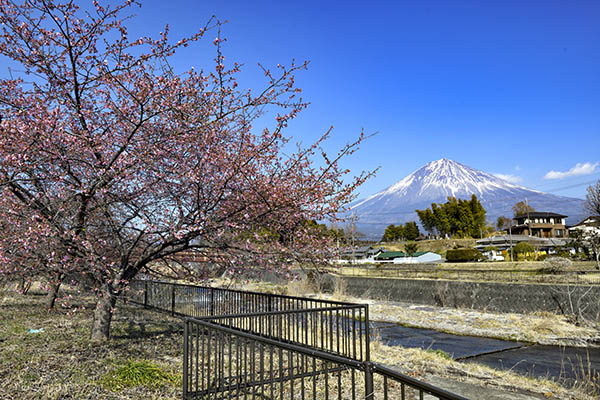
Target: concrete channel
x=553, y=362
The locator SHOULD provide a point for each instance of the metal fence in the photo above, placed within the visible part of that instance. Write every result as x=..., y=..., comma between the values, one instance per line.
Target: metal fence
x=202, y=301
x=331, y=326
x=225, y=363
x=240, y=345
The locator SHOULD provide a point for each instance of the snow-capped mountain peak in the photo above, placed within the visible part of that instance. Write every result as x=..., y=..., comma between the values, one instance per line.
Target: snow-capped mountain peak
x=436, y=181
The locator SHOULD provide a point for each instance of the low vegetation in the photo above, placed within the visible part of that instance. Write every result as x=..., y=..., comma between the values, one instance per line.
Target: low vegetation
x=49, y=355
x=463, y=255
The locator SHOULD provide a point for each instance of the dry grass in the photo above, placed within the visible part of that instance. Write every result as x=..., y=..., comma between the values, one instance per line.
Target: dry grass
x=63, y=363
x=421, y=363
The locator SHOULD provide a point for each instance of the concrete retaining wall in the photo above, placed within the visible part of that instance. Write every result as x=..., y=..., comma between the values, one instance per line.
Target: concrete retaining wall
x=575, y=301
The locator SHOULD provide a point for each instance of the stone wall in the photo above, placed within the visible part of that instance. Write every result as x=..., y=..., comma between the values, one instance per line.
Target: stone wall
x=574, y=301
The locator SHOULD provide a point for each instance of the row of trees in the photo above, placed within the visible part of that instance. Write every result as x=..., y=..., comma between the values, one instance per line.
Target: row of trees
x=408, y=231
x=456, y=217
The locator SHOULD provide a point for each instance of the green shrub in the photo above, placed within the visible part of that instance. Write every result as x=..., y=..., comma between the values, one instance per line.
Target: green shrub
x=138, y=373
x=440, y=353
x=523, y=248
x=463, y=255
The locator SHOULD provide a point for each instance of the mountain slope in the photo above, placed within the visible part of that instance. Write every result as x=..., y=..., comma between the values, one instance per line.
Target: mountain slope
x=438, y=180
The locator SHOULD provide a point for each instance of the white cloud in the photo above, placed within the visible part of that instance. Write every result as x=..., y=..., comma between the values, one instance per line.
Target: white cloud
x=518, y=168
x=510, y=178
x=579, y=169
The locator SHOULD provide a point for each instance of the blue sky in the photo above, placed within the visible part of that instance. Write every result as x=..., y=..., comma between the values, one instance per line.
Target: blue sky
x=507, y=87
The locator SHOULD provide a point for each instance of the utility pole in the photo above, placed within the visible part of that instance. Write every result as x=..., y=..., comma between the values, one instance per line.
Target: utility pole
x=510, y=239
x=528, y=218
x=352, y=228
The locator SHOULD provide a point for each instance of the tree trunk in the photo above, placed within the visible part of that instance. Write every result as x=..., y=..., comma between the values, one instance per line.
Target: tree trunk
x=52, y=294
x=24, y=286
x=103, y=314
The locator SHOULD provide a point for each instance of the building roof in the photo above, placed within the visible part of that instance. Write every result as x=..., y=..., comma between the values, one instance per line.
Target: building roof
x=592, y=220
x=361, y=251
x=503, y=240
x=540, y=214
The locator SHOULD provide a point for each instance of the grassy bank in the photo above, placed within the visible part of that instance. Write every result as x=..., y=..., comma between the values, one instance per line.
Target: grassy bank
x=57, y=360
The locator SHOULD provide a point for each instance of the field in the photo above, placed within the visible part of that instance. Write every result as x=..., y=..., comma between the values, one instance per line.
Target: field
x=48, y=355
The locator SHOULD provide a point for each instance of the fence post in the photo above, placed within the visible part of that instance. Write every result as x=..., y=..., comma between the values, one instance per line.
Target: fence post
x=367, y=334
x=172, y=299
x=368, y=381
x=185, y=357
x=145, y=294
x=212, y=301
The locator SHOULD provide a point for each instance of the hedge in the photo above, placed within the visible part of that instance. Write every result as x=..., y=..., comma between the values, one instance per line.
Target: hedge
x=459, y=255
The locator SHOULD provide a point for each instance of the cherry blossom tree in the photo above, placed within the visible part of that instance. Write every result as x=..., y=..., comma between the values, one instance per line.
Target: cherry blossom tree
x=111, y=161
x=592, y=204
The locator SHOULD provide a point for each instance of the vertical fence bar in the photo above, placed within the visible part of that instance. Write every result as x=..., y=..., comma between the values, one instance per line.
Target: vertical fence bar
x=367, y=335
x=368, y=381
x=145, y=294
x=173, y=300
x=185, y=357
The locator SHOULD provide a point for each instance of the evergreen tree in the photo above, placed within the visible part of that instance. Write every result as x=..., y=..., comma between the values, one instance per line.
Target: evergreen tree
x=427, y=220
x=456, y=217
x=411, y=231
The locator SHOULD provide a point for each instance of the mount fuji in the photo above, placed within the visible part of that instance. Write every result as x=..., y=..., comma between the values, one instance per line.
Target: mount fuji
x=438, y=180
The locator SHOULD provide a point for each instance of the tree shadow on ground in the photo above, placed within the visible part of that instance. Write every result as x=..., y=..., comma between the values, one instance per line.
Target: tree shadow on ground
x=148, y=329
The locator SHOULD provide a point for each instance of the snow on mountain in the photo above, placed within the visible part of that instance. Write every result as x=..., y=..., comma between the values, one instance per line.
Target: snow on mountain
x=438, y=180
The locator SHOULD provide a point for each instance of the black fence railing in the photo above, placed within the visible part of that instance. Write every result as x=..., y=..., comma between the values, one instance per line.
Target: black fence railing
x=240, y=345
x=203, y=301
x=336, y=330
x=327, y=325
x=221, y=362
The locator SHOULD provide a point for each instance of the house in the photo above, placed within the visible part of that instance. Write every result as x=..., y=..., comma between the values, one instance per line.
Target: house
x=363, y=254
x=586, y=228
x=540, y=224
x=400, y=257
